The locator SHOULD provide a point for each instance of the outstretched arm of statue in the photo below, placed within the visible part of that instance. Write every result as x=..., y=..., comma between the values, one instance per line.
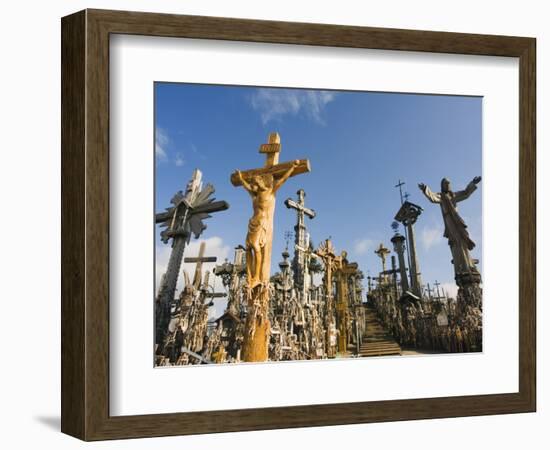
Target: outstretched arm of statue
x=472, y=186
x=285, y=176
x=245, y=183
x=431, y=196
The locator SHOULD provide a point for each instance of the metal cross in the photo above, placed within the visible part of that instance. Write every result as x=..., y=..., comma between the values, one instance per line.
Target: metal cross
x=398, y=185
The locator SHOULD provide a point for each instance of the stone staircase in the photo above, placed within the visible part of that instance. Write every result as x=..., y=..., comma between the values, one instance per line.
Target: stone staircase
x=377, y=341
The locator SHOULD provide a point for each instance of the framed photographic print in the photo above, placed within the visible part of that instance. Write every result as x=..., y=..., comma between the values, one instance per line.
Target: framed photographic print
x=270, y=224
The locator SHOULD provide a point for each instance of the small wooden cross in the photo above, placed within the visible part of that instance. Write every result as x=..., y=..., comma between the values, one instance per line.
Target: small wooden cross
x=199, y=260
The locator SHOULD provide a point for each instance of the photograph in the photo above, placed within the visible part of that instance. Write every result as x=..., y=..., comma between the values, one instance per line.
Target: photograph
x=298, y=224
x=331, y=216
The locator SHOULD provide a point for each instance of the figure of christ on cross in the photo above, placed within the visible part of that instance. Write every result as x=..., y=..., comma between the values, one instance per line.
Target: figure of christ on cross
x=262, y=189
x=262, y=185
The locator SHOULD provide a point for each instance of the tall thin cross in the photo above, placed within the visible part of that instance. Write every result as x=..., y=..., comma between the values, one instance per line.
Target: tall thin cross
x=344, y=270
x=179, y=221
x=327, y=253
x=197, y=278
x=437, y=284
x=262, y=185
x=429, y=290
x=300, y=238
x=399, y=185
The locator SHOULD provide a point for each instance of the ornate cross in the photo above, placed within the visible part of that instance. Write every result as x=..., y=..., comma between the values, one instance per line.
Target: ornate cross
x=179, y=221
x=429, y=290
x=300, y=238
x=197, y=278
x=437, y=284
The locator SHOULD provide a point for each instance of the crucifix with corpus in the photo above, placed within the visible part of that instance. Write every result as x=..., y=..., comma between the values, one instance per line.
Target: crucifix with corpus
x=262, y=184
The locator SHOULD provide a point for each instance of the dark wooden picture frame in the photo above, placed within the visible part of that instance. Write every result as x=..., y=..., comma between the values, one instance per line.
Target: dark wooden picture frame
x=85, y=224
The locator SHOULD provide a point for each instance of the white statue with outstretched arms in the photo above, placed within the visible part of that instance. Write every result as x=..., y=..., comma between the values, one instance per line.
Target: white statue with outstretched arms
x=456, y=230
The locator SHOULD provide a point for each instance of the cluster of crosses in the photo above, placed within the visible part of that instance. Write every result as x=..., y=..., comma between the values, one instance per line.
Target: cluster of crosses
x=286, y=316
x=304, y=320
x=422, y=316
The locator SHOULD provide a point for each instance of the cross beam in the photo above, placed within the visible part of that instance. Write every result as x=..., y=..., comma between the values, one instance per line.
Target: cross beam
x=349, y=268
x=199, y=260
x=205, y=208
x=215, y=295
x=300, y=207
x=437, y=284
x=277, y=170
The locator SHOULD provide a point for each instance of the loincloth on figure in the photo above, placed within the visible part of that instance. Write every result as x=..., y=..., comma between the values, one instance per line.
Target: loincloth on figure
x=257, y=233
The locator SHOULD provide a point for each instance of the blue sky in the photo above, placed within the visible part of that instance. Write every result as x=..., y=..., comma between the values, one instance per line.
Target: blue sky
x=359, y=145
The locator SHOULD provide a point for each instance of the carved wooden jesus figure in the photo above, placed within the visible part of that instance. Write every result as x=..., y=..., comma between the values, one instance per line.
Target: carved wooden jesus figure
x=262, y=189
x=455, y=228
x=262, y=185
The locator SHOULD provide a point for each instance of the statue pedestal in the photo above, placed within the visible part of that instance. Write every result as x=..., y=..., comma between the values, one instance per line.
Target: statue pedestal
x=469, y=308
x=469, y=290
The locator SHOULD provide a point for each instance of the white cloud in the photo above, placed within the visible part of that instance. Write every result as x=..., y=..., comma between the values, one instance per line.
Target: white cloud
x=450, y=288
x=431, y=236
x=164, y=147
x=273, y=104
x=161, y=142
x=317, y=279
x=362, y=246
x=214, y=247
x=179, y=161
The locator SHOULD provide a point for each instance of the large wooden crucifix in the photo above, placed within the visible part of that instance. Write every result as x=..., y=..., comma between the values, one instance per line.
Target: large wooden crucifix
x=300, y=239
x=262, y=184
